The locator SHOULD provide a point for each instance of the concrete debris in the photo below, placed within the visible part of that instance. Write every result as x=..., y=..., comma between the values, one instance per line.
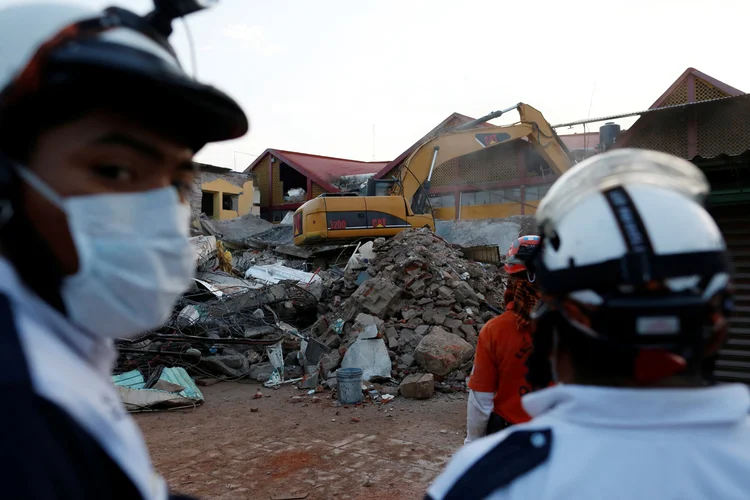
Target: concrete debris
x=231, y=365
x=261, y=372
x=498, y=232
x=410, y=303
x=377, y=296
x=288, y=219
x=236, y=231
x=329, y=362
x=276, y=273
x=418, y=386
x=428, y=301
x=441, y=352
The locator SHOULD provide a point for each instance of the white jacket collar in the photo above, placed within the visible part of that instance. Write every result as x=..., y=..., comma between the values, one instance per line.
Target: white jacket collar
x=98, y=352
x=615, y=407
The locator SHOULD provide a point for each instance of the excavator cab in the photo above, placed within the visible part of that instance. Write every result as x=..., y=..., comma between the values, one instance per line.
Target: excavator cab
x=379, y=187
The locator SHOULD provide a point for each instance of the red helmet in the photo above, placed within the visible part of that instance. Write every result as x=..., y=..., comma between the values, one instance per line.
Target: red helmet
x=519, y=249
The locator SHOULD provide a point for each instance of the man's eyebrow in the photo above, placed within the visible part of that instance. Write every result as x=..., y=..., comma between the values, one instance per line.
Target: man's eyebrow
x=131, y=142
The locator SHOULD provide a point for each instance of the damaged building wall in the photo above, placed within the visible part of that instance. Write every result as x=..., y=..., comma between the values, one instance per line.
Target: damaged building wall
x=282, y=188
x=222, y=193
x=497, y=182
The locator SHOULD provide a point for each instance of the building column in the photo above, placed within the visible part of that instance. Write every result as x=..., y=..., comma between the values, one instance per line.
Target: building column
x=692, y=123
x=521, y=155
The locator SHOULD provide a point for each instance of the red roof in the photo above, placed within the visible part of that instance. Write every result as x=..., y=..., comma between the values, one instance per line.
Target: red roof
x=728, y=89
x=688, y=77
x=322, y=169
x=461, y=118
x=589, y=140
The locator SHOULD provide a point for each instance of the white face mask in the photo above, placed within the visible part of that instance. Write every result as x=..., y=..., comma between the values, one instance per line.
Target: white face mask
x=134, y=257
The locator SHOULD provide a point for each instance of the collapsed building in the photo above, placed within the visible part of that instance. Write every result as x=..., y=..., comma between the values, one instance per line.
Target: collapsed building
x=221, y=193
x=286, y=179
x=408, y=310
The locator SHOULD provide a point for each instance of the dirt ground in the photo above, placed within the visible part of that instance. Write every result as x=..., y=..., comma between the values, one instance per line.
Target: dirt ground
x=286, y=449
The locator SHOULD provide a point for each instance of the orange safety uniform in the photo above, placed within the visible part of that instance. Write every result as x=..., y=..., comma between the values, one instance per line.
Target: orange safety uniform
x=500, y=365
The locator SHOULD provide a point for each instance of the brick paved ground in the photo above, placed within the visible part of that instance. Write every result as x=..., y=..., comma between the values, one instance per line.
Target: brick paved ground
x=223, y=450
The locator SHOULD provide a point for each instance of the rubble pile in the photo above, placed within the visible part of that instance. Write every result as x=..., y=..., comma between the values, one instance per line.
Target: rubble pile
x=240, y=307
x=406, y=310
x=416, y=308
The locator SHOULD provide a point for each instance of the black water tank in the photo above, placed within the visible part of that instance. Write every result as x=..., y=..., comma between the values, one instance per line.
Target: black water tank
x=607, y=135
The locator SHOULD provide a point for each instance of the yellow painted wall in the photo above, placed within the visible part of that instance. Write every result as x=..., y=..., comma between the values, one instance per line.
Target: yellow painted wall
x=531, y=207
x=496, y=211
x=444, y=213
x=261, y=175
x=221, y=186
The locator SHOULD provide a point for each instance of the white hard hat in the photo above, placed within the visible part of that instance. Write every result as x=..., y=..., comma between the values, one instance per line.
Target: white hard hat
x=625, y=237
x=114, y=56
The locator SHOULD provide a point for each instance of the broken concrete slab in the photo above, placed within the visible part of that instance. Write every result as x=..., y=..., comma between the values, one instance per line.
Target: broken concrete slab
x=468, y=329
x=452, y=323
x=376, y=296
x=418, y=386
x=231, y=365
x=364, y=320
x=408, y=313
x=422, y=330
x=440, y=352
x=310, y=382
x=391, y=332
x=369, y=332
x=261, y=372
x=393, y=343
x=407, y=360
x=329, y=362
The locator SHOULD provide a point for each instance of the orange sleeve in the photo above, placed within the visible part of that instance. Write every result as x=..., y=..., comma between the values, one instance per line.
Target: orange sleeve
x=484, y=376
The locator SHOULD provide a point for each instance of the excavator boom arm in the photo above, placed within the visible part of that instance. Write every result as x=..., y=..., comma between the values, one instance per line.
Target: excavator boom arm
x=545, y=139
x=418, y=167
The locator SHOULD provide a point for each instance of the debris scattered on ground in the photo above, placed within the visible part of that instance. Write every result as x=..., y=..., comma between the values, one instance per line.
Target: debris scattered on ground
x=163, y=388
x=406, y=311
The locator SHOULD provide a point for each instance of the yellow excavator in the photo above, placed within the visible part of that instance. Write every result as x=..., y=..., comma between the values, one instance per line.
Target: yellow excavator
x=392, y=205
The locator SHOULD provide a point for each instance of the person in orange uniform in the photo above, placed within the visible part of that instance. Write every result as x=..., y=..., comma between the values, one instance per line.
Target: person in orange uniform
x=498, y=379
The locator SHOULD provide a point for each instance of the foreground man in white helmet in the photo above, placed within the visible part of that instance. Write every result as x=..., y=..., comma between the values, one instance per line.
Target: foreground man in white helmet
x=98, y=127
x=635, y=282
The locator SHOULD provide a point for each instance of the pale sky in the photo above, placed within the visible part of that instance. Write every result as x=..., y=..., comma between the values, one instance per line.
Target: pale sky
x=315, y=76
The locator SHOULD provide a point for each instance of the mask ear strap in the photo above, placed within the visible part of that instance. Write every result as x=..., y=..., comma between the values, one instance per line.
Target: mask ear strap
x=39, y=185
x=530, y=276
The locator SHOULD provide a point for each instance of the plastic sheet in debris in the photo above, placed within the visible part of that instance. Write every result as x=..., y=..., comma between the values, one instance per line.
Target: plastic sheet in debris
x=338, y=326
x=362, y=256
x=276, y=357
x=288, y=219
x=131, y=387
x=222, y=285
x=371, y=356
x=275, y=273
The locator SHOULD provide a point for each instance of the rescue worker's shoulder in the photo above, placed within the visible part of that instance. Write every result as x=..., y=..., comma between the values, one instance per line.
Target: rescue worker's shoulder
x=485, y=467
x=499, y=324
